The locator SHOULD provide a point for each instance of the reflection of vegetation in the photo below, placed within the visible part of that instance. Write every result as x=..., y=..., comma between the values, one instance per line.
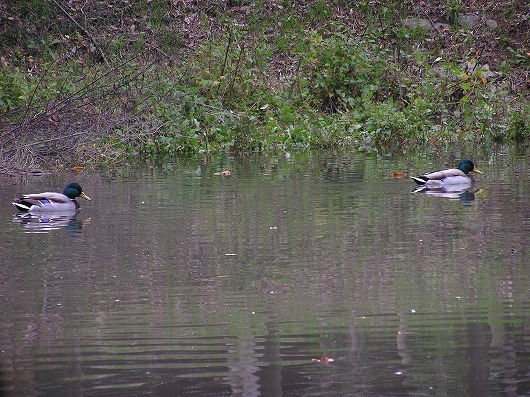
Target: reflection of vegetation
x=352, y=255
x=178, y=78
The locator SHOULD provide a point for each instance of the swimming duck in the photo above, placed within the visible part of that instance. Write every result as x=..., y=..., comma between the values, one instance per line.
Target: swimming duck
x=52, y=201
x=453, y=176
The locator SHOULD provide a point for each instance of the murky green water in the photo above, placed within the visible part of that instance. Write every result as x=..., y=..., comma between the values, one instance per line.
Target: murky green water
x=175, y=281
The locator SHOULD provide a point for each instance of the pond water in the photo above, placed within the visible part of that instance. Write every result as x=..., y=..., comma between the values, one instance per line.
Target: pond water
x=314, y=274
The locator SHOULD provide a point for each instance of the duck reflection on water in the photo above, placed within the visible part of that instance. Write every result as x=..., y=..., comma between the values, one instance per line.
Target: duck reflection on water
x=44, y=223
x=464, y=192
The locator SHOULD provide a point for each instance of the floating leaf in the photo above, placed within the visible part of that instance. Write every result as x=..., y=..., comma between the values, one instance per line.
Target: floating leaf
x=398, y=175
x=224, y=173
x=323, y=360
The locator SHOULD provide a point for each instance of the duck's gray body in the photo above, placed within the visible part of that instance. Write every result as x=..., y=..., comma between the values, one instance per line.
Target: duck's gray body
x=46, y=202
x=453, y=176
x=51, y=202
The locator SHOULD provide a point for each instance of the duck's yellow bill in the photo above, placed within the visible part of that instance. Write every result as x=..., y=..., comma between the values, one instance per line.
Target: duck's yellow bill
x=478, y=171
x=83, y=195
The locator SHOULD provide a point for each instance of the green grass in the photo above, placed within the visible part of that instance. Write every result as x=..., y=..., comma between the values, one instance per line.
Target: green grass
x=259, y=77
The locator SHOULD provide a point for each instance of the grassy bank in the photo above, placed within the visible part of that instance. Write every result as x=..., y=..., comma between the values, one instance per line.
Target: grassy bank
x=98, y=82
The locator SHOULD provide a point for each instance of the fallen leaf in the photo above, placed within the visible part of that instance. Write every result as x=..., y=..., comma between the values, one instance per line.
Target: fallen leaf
x=323, y=360
x=398, y=175
x=224, y=173
x=78, y=168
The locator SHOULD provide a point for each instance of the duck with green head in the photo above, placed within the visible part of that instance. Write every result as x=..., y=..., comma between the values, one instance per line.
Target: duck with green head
x=452, y=176
x=52, y=201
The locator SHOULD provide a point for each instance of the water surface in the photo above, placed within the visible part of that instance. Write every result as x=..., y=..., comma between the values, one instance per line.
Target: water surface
x=315, y=275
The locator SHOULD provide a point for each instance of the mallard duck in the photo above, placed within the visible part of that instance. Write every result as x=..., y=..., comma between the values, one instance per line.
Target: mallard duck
x=453, y=176
x=52, y=201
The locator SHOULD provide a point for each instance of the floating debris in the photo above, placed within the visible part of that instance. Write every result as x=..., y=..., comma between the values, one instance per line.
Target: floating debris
x=323, y=360
x=223, y=173
x=397, y=175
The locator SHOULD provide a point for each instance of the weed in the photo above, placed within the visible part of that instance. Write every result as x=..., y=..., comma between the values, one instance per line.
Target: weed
x=242, y=76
